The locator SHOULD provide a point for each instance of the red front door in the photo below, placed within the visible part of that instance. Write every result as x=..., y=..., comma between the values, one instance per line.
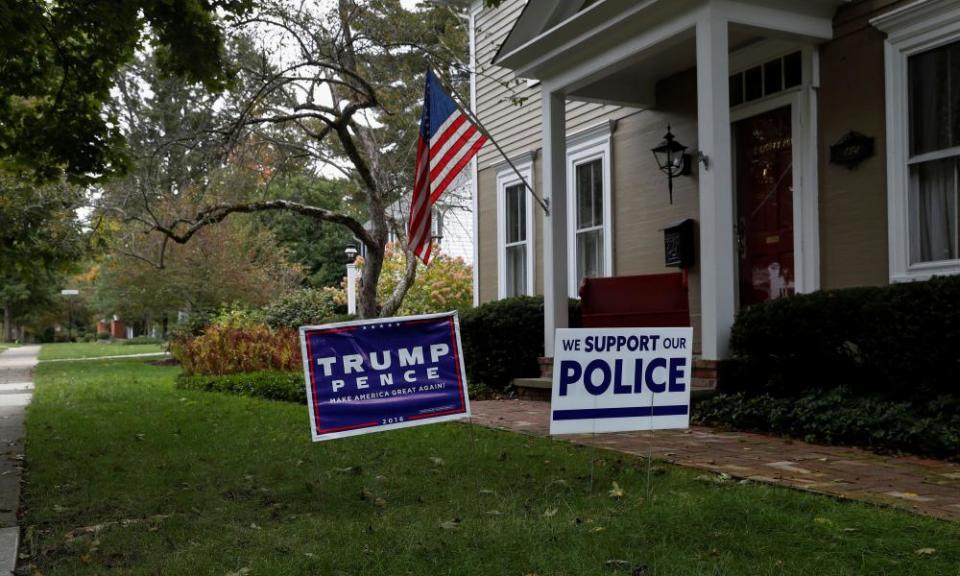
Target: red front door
x=764, y=176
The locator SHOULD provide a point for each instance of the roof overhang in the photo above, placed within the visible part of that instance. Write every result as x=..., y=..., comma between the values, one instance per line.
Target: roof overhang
x=548, y=39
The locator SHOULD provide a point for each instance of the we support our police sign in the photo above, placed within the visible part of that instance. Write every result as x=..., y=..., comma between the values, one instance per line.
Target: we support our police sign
x=373, y=375
x=621, y=379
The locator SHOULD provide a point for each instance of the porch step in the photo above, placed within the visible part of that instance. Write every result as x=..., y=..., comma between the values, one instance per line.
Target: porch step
x=533, y=388
x=540, y=388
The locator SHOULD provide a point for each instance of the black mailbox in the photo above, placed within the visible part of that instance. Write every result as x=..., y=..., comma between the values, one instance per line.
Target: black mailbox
x=678, y=244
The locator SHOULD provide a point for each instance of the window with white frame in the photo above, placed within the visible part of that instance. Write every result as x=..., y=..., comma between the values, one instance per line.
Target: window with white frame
x=934, y=156
x=514, y=233
x=922, y=59
x=589, y=211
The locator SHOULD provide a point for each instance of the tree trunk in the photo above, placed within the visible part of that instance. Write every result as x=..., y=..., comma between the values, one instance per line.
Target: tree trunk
x=164, y=324
x=7, y=323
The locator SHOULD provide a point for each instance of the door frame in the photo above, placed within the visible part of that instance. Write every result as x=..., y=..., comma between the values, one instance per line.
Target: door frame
x=806, y=222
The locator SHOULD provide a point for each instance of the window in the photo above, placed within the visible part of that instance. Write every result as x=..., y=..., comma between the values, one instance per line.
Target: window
x=766, y=79
x=590, y=243
x=934, y=105
x=514, y=232
x=922, y=59
x=589, y=218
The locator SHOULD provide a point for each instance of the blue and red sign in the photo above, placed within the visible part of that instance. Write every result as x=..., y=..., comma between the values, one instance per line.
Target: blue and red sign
x=372, y=375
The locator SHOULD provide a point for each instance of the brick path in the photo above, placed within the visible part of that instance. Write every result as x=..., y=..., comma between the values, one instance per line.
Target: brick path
x=921, y=485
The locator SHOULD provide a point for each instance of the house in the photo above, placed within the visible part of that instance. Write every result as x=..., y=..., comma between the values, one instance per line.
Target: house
x=824, y=138
x=452, y=221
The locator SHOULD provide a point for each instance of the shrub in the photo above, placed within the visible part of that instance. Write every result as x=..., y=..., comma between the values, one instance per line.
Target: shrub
x=303, y=307
x=842, y=416
x=900, y=342
x=502, y=340
x=230, y=350
x=285, y=386
x=103, y=335
x=143, y=340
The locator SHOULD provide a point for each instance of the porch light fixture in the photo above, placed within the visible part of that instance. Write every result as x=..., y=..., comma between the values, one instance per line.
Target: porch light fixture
x=351, y=252
x=672, y=158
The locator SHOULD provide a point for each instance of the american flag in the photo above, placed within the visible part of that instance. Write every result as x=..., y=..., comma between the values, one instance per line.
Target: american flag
x=448, y=140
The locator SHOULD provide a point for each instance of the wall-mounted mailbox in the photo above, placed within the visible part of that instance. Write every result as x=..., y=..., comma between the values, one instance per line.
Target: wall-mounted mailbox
x=678, y=244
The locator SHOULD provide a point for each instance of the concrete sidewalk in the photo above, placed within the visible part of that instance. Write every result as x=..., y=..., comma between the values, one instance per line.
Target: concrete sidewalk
x=16, y=390
x=925, y=486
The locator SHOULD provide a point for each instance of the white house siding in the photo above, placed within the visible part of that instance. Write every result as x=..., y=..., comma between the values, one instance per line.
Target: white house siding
x=512, y=115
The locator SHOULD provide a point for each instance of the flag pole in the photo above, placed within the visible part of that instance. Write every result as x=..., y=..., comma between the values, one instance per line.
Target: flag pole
x=476, y=121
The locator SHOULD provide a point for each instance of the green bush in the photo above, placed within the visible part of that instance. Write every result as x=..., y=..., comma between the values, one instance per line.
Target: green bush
x=285, y=386
x=842, y=416
x=901, y=342
x=503, y=339
x=142, y=340
x=303, y=308
x=103, y=335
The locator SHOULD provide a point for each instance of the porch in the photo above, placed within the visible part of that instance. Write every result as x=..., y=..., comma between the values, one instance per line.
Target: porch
x=620, y=53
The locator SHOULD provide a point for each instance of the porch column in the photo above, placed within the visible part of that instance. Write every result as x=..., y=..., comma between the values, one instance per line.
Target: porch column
x=555, y=293
x=717, y=254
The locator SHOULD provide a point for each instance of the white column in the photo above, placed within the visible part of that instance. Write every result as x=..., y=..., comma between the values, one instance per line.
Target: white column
x=555, y=225
x=717, y=253
x=351, y=288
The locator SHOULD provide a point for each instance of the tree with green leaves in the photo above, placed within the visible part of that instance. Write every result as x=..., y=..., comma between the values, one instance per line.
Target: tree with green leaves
x=337, y=90
x=59, y=63
x=41, y=240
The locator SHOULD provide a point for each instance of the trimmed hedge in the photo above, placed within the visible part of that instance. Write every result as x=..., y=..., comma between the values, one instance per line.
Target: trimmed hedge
x=900, y=342
x=284, y=386
x=503, y=339
x=841, y=416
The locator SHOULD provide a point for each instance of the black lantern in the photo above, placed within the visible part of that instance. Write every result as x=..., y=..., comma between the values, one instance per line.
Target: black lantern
x=672, y=158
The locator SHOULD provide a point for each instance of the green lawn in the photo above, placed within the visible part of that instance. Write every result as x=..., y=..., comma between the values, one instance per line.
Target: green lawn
x=191, y=483
x=6, y=345
x=72, y=350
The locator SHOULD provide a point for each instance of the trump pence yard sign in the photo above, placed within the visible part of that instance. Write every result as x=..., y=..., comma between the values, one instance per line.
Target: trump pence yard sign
x=373, y=375
x=621, y=379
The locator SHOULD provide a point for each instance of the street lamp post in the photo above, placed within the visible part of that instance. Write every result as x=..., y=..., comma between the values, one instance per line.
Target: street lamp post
x=351, y=252
x=66, y=293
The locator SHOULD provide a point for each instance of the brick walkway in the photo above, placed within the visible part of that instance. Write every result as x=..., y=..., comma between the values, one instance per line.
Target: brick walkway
x=924, y=486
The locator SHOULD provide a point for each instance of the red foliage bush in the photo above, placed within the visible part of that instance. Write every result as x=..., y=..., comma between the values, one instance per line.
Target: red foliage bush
x=233, y=350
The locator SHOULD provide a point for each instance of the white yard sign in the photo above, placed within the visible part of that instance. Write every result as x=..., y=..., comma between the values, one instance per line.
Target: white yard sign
x=621, y=379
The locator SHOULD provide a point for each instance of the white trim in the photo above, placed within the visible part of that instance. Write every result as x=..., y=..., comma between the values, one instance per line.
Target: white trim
x=475, y=9
x=586, y=146
x=507, y=177
x=917, y=27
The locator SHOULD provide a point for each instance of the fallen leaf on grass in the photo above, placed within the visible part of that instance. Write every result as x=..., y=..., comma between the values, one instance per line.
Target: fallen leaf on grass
x=240, y=572
x=550, y=512
x=616, y=491
x=347, y=470
x=487, y=492
x=618, y=564
x=598, y=530
x=380, y=503
x=450, y=524
x=925, y=551
x=494, y=512
x=437, y=461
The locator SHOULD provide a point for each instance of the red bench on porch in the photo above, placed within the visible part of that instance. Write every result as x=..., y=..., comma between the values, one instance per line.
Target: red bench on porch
x=650, y=301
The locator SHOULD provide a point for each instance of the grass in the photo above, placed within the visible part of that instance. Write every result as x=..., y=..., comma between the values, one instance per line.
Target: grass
x=78, y=350
x=7, y=346
x=183, y=482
